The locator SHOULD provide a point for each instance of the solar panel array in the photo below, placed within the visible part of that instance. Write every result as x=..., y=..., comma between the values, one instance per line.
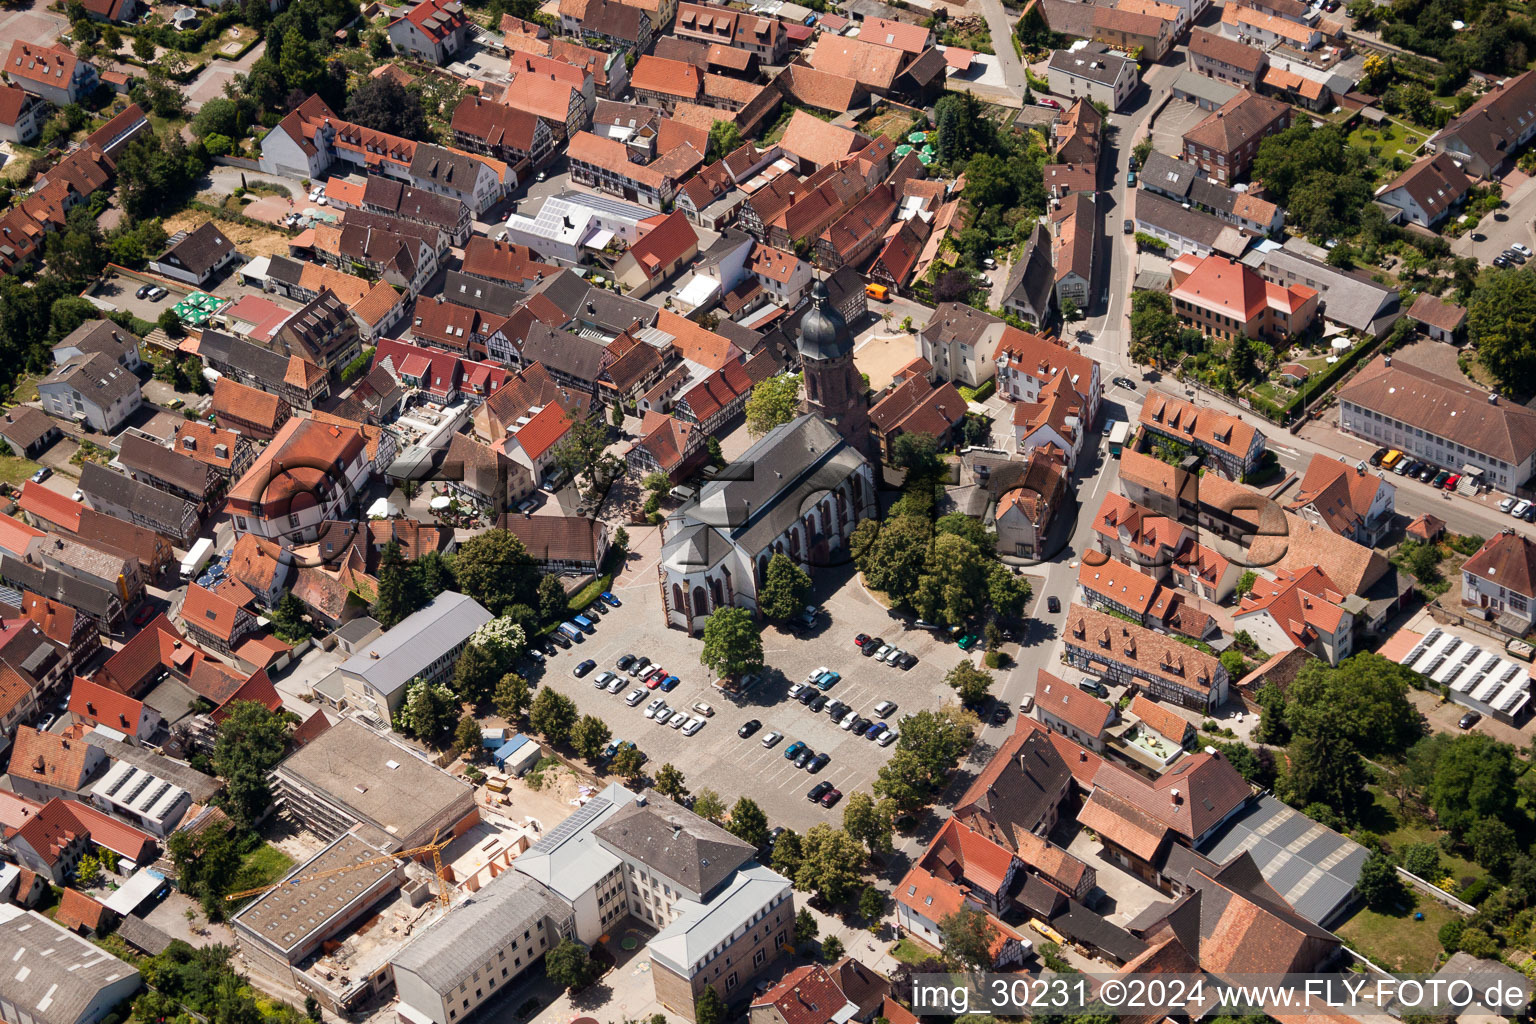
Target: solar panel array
x=1486, y=677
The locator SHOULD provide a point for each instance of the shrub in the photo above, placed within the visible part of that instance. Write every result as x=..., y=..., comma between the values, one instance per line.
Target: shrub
x=1477, y=891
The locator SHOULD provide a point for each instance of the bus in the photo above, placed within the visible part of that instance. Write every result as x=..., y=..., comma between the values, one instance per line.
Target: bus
x=1119, y=431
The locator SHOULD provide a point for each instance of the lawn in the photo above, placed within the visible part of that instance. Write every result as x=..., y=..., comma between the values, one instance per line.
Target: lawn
x=909, y=952
x=263, y=866
x=1398, y=942
x=15, y=471
x=1404, y=142
x=1398, y=829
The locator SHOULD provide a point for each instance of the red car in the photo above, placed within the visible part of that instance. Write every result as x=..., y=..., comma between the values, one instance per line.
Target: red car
x=1048, y=102
x=831, y=797
x=655, y=677
x=144, y=614
x=1452, y=481
x=858, y=641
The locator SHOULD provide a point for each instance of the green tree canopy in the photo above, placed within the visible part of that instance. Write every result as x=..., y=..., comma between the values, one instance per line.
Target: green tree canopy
x=495, y=569
x=553, y=715
x=570, y=965
x=429, y=710
x=967, y=937
x=1474, y=779
x=785, y=588
x=971, y=684
x=831, y=862
x=589, y=735
x=733, y=645
x=385, y=105
x=1501, y=324
x=773, y=403
x=1366, y=696
x=869, y=822
x=748, y=822
x=252, y=739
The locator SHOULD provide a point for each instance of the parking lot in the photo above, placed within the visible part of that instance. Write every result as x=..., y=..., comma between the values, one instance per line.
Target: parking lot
x=715, y=757
x=1501, y=229
x=1176, y=118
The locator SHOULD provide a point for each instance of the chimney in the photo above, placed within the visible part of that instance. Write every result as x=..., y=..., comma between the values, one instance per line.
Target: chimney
x=1493, y=399
x=1177, y=799
x=1386, y=360
x=374, y=655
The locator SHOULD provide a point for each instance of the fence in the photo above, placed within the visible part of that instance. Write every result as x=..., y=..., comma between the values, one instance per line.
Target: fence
x=236, y=161
x=1432, y=890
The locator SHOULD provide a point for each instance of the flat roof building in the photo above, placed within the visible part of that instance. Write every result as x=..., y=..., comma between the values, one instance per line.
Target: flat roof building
x=424, y=645
x=351, y=777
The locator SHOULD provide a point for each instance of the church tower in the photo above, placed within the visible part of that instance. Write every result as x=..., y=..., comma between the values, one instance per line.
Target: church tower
x=833, y=388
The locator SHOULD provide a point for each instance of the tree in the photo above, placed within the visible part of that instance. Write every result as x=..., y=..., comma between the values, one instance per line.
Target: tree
x=670, y=782
x=570, y=965
x=429, y=710
x=397, y=595
x=733, y=645
x=589, y=735
x=617, y=416
x=621, y=539
x=1493, y=844
x=144, y=48
x=582, y=450
x=1233, y=661
x=496, y=570
x=206, y=863
x=869, y=822
x=1271, y=728
x=724, y=138
x=708, y=805
x=1365, y=696
x=1423, y=859
x=288, y=621
x=748, y=822
x=1245, y=583
x=299, y=63
x=786, y=853
x=784, y=589
x=970, y=683
x=553, y=604
x=713, y=450
x=553, y=715
x=903, y=780
x=937, y=739
x=251, y=740
x=512, y=697
x=953, y=587
x=1379, y=885
x=915, y=452
x=831, y=949
x=967, y=937
x=1154, y=328
x=476, y=673
x=830, y=862
x=385, y=105
x=709, y=1008
x=466, y=736
x=871, y=903
x=1008, y=592
x=1474, y=779
x=88, y=872
x=892, y=554
x=1070, y=313
x=1501, y=324
x=628, y=763
x=1325, y=768
x=773, y=403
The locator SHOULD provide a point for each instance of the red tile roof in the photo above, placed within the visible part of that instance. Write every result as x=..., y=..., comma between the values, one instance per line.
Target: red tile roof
x=1060, y=699
x=50, y=831
x=666, y=243
x=103, y=705
x=437, y=19
x=806, y=995
x=247, y=404
x=546, y=429
x=105, y=830
x=46, y=65
x=209, y=612
x=50, y=506
x=958, y=853
x=76, y=910
x=48, y=758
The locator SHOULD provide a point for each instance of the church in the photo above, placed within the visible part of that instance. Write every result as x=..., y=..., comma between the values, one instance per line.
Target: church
x=800, y=490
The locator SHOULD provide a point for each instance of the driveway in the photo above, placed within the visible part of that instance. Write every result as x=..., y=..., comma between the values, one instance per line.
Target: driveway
x=1000, y=24
x=1176, y=118
x=32, y=22
x=210, y=82
x=1520, y=193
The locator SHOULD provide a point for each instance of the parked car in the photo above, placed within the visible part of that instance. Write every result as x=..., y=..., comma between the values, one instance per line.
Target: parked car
x=1378, y=455
x=886, y=739
x=1506, y=504
x=831, y=797
x=1522, y=249
x=906, y=661
x=692, y=726
x=896, y=652
x=846, y=722
x=677, y=720
x=639, y=665
x=1053, y=604
x=624, y=662
x=876, y=730
x=772, y=738
x=804, y=757
x=42, y=474
x=609, y=599
x=615, y=684
x=669, y=684
x=827, y=680
x=860, y=723
x=858, y=641
x=836, y=710
x=1027, y=704
x=817, y=703
x=1046, y=101
x=1130, y=179
x=1450, y=484
x=793, y=750
x=818, y=791
x=1130, y=226
x=749, y=727
x=818, y=762
x=654, y=707
x=968, y=641
x=583, y=668
x=1000, y=714
x=664, y=715
x=871, y=646
x=1520, y=508
x=561, y=639
x=882, y=651
x=1440, y=478
x=702, y=708
x=884, y=708
x=807, y=695
x=796, y=689
x=1125, y=382
x=602, y=679
x=1468, y=720
x=1093, y=686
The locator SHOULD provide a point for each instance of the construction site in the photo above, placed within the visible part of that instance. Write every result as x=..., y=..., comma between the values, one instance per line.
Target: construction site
x=333, y=924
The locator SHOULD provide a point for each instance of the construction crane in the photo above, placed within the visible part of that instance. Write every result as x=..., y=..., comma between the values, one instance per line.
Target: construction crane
x=434, y=848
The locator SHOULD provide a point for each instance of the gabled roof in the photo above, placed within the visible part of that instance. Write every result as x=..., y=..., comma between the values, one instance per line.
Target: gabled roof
x=49, y=759
x=806, y=995
x=43, y=65
x=1117, y=582
x=1436, y=183
x=1229, y=51
x=1208, y=428
x=664, y=835
x=1236, y=123
x=664, y=244
x=209, y=612
x=1342, y=495
x=958, y=854
x=1508, y=560
x=1436, y=312
x=1060, y=699
x=105, y=706
x=818, y=142
x=1490, y=127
